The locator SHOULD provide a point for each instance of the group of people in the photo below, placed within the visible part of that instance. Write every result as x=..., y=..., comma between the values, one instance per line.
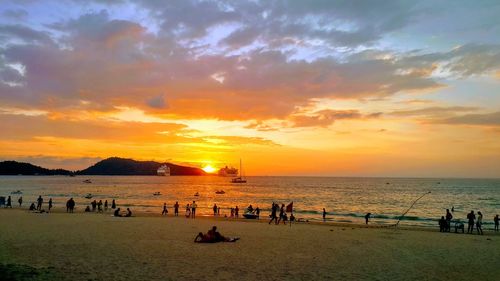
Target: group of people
x=472, y=220
x=282, y=214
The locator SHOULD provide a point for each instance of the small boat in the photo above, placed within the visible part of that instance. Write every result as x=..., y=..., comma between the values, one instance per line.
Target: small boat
x=220, y=192
x=239, y=179
x=88, y=196
x=87, y=181
x=196, y=194
x=250, y=216
x=17, y=192
x=157, y=193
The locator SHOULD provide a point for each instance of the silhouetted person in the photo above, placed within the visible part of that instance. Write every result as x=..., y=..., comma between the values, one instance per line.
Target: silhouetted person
x=99, y=206
x=479, y=223
x=165, y=211
x=495, y=219
x=213, y=236
x=70, y=205
x=106, y=205
x=442, y=224
x=117, y=213
x=274, y=209
x=282, y=212
x=129, y=213
x=324, y=214
x=448, y=220
x=9, y=202
x=367, y=217
x=452, y=209
x=20, y=201
x=218, y=210
x=113, y=204
x=232, y=212
x=50, y=204
x=250, y=209
x=94, y=205
x=236, y=212
x=471, y=218
x=87, y=209
x=32, y=207
x=257, y=212
x=176, y=208
x=193, y=209
x=39, y=203
x=215, y=210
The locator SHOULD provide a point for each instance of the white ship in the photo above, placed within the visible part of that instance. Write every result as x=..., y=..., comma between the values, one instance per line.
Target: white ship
x=228, y=172
x=164, y=170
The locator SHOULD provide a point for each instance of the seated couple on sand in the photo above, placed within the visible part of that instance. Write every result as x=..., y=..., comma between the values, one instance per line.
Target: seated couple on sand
x=117, y=213
x=213, y=236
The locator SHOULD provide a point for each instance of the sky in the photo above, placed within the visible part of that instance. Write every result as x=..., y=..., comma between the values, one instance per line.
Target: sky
x=298, y=88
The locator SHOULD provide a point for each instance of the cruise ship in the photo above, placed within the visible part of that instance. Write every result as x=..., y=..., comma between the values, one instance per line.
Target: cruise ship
x=228, y=172
x=164, y=170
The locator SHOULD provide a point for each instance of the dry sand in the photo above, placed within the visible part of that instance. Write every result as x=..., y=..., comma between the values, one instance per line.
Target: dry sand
x=82, y=246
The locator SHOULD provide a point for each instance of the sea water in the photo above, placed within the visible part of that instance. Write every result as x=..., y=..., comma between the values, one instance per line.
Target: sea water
x=345, y=199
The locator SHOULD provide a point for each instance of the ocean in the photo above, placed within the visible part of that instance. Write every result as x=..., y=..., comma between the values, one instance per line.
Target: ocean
x=345, y=199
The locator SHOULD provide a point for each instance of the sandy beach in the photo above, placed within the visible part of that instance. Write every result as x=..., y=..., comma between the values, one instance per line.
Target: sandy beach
x=79, y=246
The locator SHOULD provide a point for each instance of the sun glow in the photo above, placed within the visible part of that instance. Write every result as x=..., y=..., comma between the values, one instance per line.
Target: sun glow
x=209, y=169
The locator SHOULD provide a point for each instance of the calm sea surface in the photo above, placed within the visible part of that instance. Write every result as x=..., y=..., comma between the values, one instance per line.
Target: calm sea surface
x=345, y=199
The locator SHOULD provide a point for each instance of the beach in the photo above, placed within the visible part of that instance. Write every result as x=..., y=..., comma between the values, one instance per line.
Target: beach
x=91, y=246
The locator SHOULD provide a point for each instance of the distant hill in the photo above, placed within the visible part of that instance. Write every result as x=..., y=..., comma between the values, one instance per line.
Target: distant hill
x=125, y=167
x=19, y=168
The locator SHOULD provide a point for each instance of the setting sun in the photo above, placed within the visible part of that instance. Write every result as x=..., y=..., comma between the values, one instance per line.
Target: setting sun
x=209, y=169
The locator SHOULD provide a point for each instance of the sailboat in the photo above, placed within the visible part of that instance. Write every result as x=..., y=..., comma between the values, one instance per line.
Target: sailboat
x=239, y=179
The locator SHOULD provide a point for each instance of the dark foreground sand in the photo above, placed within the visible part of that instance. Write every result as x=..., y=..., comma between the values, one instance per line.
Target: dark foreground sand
x=81, y=246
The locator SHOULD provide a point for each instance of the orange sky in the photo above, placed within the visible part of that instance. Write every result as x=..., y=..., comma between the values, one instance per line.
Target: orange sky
x=319, y=90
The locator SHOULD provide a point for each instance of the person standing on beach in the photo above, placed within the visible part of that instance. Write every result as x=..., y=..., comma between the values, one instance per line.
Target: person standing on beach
x=50, y=204
x=165, y=211
x=9, y=202
x=188, y=211
x=442, y=224
x=236, y=212
x=367, y=217
x=20, y=201
x=215, y=209
x=471, y=218
x=70, y=205
x=113, y=204
x=274, y=209
x=282, y=213
x=99, y=206
x=193, y=209
x=39, y=203
x=176, y=208
x=495, y=219
x=218, y=210
x=257, y=212
x=324, y=214
x=106, y=205
x=448, y=220
x=479, y=223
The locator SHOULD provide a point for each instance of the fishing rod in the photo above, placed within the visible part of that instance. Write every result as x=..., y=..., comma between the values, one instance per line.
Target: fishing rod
x=401, y=217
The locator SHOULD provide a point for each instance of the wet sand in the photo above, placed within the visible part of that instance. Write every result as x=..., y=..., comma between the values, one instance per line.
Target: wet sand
x=90, y=246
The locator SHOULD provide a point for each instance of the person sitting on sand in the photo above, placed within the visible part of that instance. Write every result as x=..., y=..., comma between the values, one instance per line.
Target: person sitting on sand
x=87, y=210
x=129, y=213
x=495, y=219
x=117, y=213
x=442, y=224
x=213, y=236
x=32, y=207
x=367, y=217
